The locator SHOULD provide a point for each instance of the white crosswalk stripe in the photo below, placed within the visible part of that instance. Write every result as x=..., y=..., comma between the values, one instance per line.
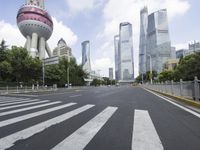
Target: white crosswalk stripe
x=31, y=115
x=20, y=102
x=13, y=100
x=145, y=136
x=80, y=138
x=28, y=108
x=9, y=141
x=27, y=104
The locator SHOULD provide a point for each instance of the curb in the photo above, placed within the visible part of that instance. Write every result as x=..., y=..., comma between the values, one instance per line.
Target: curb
x=180, y=99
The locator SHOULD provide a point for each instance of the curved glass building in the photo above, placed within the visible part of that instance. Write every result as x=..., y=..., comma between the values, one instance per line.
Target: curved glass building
x=86, y=56
x=158, y=41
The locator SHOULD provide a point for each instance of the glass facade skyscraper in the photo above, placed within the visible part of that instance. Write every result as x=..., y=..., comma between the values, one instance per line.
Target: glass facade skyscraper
x=158, y=41
x=143, y=40
x=126, y=65
x=86, y=56
x=116, y=45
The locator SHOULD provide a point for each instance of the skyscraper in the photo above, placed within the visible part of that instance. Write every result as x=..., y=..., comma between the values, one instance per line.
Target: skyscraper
x=86, y=56
x=158, y=41
x=116, y=45
x=111, y=73
x=143, y=40
x=36, y=25
x=126, y=65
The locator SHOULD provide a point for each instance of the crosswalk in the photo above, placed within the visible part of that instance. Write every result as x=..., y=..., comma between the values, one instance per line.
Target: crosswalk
x=144, y=134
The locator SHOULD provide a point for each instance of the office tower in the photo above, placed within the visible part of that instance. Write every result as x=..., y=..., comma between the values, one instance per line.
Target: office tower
x=36, y=25
x=193, y=48
x=86, y=56
x=116, y=45
x=126, y=65
x=181, y=53
x=143, y=40
x=111, y=73
x=158, y=41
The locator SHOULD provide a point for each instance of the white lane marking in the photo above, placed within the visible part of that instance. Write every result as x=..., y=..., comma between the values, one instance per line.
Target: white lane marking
x=81, y=137
x=182, y=107
x=75, y=96
x=27, y=104
x=145, y=136
x=13, y=100
x=31, y=115
x=28, y=108
x=9, y=140
x=20, y=102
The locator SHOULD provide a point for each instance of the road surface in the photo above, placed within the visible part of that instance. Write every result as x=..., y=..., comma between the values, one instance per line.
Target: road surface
x=102, y=118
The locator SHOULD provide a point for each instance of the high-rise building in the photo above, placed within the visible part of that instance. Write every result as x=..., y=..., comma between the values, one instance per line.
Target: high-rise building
x=36, y=25
x=143, y=40
x=181, y=53
x=111, y=73
x=193, y=48
x=158, y=41
x=173, y=52
x=126, y=65
x=63, y=50
x=86, y=56
x=116, y=45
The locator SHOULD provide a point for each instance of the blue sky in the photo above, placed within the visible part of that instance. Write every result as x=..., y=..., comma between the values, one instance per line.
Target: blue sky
x=98, y=21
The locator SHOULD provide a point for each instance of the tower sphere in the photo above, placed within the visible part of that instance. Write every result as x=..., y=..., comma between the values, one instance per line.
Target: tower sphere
x=33, y=19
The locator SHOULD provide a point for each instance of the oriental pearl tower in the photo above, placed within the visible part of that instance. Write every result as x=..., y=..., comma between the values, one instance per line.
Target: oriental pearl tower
x=36, y=25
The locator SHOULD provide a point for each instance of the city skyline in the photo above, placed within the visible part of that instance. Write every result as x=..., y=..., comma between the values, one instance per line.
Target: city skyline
x=105, y=26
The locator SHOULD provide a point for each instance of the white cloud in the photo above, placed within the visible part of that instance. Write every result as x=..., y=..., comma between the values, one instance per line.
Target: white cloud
x=181, y=45
x=77, y=6
x=11, y=34
x=62, y=31
x=117, y=11
x=102, y=64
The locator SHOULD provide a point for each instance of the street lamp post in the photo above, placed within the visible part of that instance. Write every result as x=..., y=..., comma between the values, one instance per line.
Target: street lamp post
x=151, y=73
x=68, y=76
x=43, y=72
x=68, y=60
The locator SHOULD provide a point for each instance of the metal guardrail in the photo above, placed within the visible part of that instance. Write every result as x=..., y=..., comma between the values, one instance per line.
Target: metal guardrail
x=187, y=89
x=25, y=89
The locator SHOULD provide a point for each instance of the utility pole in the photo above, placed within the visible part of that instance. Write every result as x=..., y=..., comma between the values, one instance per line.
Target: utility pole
x=151, y=72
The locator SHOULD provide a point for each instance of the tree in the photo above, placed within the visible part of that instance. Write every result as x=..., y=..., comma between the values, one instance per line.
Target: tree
x=58, y=74
x=96, y=82
x=3, y=48
x=188, y=68
x=18, y=66
x=166, y=76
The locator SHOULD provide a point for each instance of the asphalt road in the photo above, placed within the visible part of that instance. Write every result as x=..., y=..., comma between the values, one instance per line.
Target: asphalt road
x=102, y=118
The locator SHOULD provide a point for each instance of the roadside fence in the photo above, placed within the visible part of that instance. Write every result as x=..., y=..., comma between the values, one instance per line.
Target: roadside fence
x=187, y=89
x=26, y=89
